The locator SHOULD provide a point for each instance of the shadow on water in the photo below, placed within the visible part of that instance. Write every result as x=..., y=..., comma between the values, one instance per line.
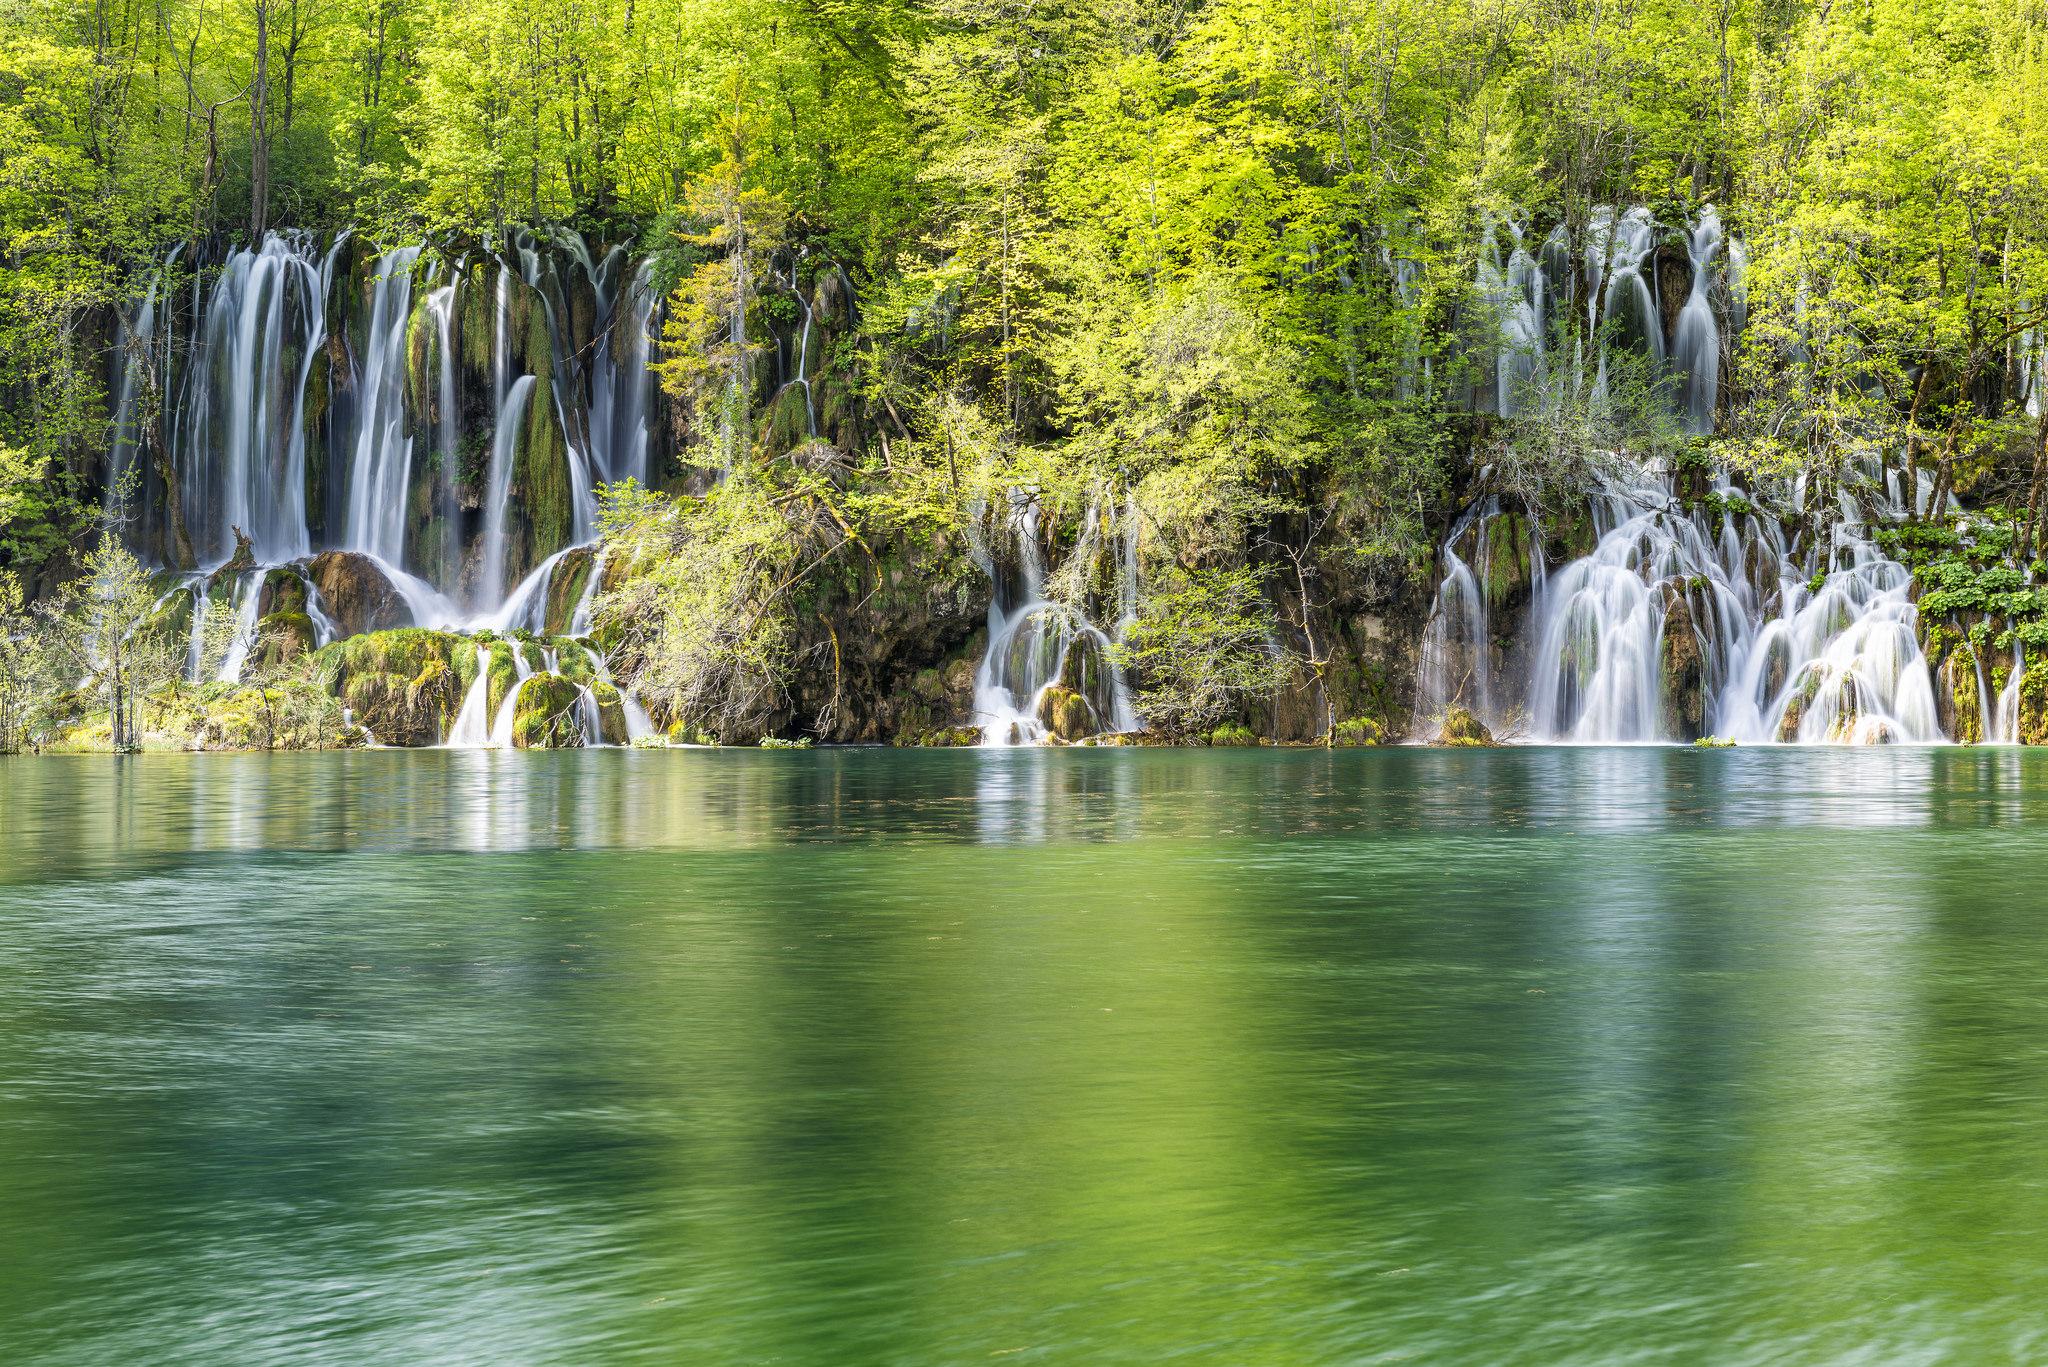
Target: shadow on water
x=1531, y=1055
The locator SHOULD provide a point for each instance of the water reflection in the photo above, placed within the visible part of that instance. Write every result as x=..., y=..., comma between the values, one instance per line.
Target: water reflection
x=1522, y=1056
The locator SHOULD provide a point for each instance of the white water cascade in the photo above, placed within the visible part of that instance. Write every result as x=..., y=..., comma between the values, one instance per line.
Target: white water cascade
x=1037, y=642
x=1685, y=622
x=1696, y=341
x=472, y=729
x=382, y=468
x=235, y=432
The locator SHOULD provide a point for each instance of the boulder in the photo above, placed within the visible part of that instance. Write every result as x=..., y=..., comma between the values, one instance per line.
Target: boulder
x=356, y=594
x=546, y=714
x=1357, y=731
x=1065, y=714
x=1461, y=728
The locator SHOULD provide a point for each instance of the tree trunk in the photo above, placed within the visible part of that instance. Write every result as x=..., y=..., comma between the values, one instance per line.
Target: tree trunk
x=259, y=127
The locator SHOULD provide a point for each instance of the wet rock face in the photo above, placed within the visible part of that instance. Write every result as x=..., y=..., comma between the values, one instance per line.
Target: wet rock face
x=356, y=594
x=545, y=715
x=1682, y=669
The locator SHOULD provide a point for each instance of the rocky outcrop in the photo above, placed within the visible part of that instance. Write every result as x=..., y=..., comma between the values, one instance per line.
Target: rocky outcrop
x=356, y=593
x=1461, y=728
x=1682, y=667
x=404, y=686
x=545, y=717
x=1065, y=714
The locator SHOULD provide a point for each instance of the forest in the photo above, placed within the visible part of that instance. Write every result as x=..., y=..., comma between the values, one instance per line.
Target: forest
x=1185, y=370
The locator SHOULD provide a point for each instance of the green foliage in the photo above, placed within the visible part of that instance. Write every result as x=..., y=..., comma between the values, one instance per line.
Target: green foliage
x=1202, y=647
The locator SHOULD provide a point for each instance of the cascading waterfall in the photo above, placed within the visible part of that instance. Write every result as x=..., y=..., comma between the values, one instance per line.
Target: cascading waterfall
x=238, y=424
x=512, y=407
x=1684, y=619
x=1037, y=644
x=447, y=454
x=472, y=729
x=621, y=388
x=236, y=437
x=1674, y=627
x=1696, y=344
x=1621, y=298
x=382, y=468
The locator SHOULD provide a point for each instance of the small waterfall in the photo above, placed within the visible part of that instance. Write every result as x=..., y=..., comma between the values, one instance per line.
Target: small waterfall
x=508, y=710
x=195, y=636
x=1696, y=346
x=448, y=455
x=472, y=729
x=1515, y=292
x=381, y=470
x=1456, y=665
x=248, y=593
x=1036, y=644
x=1618, y=248
x=512, y=407
x=2006, y=726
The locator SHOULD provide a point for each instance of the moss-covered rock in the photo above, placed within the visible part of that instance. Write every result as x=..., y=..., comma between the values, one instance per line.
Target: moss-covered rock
x=565, y=589
x=1065, y=714
x=611, y=712
x=405, y=685
x=1461, y=728
x=545, y=716
x=1357, y=731
x=284, y=636
x=283, y=591
x=1232, y=734
x=944, y=738
x=1681, y=668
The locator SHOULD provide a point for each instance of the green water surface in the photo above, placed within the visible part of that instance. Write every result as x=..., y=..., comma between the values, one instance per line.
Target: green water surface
x=1520, y=1056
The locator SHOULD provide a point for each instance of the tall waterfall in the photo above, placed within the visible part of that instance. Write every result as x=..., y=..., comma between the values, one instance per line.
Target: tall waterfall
x=235, y=431
x=381, y=472
x=1696, y=344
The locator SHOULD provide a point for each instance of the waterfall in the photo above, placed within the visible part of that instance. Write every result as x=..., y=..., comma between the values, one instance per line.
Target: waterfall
x=1036, y=644
x=236, y=436
x=1696, y=345
x=508, y=710
x=1622, y=300
x=472, y=729
x=1514, y=293
x=566, y=385
x=490, y=583
x=381, y=471
x=1674, y=627
x=448, y=456
x=248, y=593
x=1456, y=664
x=2006, y=725
x=622, y=387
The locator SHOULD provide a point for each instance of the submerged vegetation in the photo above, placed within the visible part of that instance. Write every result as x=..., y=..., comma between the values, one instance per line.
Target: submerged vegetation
x=1210, y=343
